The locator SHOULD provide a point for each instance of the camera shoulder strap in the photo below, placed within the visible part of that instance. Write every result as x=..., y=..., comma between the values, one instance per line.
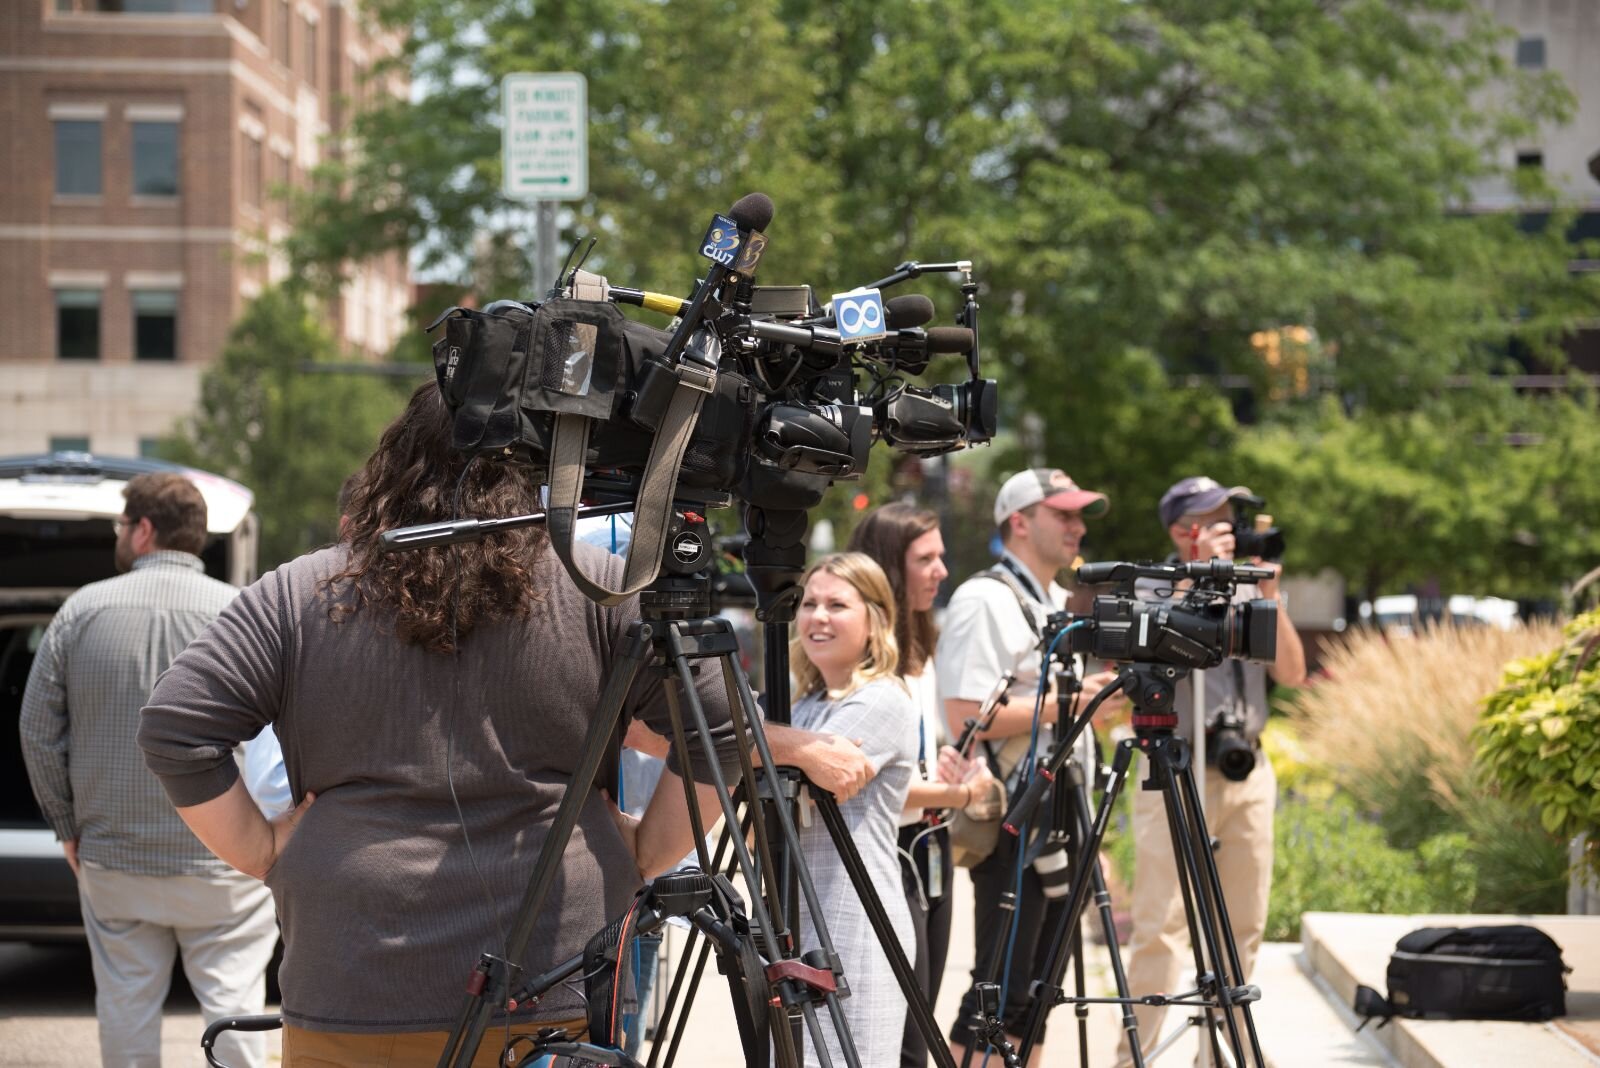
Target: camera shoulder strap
x=652, y=508
x=1002, y=574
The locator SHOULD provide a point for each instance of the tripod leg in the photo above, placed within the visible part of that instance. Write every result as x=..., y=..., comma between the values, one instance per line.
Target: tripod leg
x=1108, y=924
x=1083, y=874
x=1228, y=942
x=1183, y=849
x=789, y=840
x=667, y=1023
x=878, y=917
x=991, y=965
x=1080, y=1009
x=757, y=1049
x=1192, y=843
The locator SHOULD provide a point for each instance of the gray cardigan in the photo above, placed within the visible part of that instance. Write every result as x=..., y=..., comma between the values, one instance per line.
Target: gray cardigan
x=383, y=912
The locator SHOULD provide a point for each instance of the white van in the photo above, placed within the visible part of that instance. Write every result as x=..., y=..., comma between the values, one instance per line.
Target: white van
x=1403, y=615
x=55, y=535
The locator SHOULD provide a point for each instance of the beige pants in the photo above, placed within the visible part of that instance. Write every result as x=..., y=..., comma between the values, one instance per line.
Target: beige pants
x=223, y=927
x=1239, y=815
x=416, y=1049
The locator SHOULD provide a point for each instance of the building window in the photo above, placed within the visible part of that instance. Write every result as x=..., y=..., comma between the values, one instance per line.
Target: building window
x=280, y=173
x=250, y=153
x=1530, y=53
x=151, y=7
x=310, y=34
x=280, y=32
x=78, y=157
x=155, y=324
x=155, y=159
x=150, y=449
x=68, y=444
x=1533, y=161
x=78, y=324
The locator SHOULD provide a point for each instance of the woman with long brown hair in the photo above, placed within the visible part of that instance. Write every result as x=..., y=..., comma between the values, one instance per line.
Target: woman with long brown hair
x=431, y=705
x=905, y=541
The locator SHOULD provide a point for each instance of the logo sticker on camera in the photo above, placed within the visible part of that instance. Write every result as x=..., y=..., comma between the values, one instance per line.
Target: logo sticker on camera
x=687, y=547
x=859, y=315
x=722, y=241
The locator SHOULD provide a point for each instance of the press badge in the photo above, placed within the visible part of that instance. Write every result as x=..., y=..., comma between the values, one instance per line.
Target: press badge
x=935, y=872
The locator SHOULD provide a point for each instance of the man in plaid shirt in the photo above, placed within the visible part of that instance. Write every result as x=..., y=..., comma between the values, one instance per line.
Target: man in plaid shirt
x=148, y=888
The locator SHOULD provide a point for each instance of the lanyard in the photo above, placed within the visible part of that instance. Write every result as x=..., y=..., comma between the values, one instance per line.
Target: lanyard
x=1029, y=583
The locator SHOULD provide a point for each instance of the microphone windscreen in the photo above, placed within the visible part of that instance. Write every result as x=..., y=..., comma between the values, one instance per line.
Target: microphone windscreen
x=907, y=310
x=950, y=339
x=753, y=211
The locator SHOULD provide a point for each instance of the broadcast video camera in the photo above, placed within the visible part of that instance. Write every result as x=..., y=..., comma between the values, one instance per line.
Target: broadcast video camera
x=755, y=393
x=788, y=420
x=1199, y=630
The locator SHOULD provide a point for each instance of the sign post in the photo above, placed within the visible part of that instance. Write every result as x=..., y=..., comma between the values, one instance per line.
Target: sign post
x=545, y=152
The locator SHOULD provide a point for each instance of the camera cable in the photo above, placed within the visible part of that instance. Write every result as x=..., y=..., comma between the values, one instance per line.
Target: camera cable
x=450, y=737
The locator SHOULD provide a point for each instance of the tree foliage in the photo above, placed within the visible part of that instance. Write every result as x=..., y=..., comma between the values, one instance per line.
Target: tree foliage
x=1144, y=187
x=292, y=436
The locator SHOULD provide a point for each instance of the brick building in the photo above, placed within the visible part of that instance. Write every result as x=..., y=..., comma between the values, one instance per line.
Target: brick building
x=143, y=141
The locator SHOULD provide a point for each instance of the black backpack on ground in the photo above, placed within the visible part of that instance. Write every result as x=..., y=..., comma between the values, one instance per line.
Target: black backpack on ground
x=1511, y=972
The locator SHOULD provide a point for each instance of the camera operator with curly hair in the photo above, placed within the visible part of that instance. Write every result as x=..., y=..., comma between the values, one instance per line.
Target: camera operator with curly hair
x=431, y=706
x=1199, y=518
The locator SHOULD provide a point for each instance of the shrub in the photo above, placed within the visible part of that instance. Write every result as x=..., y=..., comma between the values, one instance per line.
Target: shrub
x=1328, y=858
x=1539, y=739
x=1392, y=723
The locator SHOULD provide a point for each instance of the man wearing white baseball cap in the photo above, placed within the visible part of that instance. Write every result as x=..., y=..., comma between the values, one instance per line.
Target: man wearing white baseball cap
x=992, y=626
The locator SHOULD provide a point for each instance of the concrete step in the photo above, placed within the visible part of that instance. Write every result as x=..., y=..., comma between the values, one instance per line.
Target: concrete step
x=1345, y=949
x=1300, y=1024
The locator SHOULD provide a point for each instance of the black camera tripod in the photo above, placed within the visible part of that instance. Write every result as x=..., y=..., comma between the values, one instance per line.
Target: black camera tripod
x=759, y=954
x=1071, y=815
x=1220, y=991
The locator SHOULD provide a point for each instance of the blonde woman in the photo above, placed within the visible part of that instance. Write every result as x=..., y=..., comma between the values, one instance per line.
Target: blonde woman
x=844, y=658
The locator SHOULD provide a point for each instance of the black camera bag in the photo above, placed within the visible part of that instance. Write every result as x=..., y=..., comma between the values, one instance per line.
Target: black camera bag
x=1510, y=972
x=534, y=381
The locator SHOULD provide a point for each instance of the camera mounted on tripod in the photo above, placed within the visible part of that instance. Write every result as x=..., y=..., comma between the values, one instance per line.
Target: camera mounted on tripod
x=757, y=393
x=1199, y=630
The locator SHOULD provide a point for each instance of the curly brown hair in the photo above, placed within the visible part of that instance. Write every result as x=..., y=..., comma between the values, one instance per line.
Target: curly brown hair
x=433, y=596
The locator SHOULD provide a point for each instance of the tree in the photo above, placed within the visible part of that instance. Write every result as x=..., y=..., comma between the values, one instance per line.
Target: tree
x=290, y=435
x=1480, y=490
x=1144, y=187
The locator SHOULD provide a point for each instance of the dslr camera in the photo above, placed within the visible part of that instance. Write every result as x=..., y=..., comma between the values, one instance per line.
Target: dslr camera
x=1253, y=532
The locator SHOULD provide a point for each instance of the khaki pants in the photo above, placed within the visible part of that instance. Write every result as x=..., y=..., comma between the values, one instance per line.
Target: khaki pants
x=415, y=1049
x=224, y=927
x=1239, y=816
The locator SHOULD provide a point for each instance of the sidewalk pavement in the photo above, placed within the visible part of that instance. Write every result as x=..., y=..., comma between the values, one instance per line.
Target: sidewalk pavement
x=1299, y=1027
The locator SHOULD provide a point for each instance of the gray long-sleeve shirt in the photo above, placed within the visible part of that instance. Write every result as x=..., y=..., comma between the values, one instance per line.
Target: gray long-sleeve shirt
x=383, y=913
x=94, y=670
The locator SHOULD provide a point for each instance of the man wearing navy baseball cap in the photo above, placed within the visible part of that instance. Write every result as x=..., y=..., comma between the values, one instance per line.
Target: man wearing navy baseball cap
x=1199, y=516
x=992, y=626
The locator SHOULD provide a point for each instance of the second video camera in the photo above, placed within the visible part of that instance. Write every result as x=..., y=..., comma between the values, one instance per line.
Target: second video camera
x=1198, y=629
